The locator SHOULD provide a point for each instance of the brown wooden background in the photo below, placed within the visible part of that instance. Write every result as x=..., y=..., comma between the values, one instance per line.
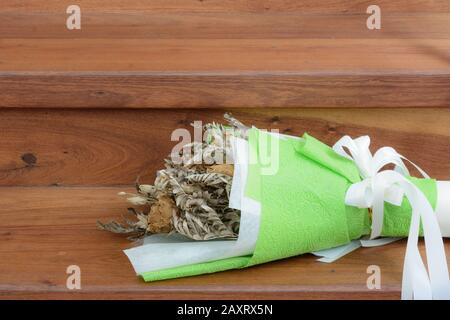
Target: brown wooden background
x=83, y=112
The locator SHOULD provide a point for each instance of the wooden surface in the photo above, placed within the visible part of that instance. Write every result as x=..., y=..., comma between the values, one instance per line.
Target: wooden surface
x=221, y=90
x=48, y=147
x=83, y=112
x=309, y=56
x=148, y=54
x=228, y=19
x=44, y=230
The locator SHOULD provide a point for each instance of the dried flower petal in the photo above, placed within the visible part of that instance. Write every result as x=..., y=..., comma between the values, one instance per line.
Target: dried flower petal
x=160, y=216
x=137, y=200
x=226, y=169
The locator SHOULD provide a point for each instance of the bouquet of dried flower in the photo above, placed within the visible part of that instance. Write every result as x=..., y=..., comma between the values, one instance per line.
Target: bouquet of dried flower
x=282, y=196
x=190, y=197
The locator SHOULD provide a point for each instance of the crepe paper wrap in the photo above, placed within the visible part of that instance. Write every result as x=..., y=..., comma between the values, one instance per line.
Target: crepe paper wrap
x=317, y=198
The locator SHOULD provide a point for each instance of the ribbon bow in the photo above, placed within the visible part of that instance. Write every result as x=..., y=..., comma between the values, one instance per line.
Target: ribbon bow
x=391, y=186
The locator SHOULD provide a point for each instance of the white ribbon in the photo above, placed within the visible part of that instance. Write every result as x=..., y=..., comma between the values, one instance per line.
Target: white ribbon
x=391, y=186
x=363, y=194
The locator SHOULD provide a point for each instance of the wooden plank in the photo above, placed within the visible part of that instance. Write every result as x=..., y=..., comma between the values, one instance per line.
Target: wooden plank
x=225, y=19
x=44, y=230
x=221, y=90
x=238, y=53
x=228, y=72
x=307, y=56
x=216, y=90
x=128, y=24
x=42, y=147
x=231, y=6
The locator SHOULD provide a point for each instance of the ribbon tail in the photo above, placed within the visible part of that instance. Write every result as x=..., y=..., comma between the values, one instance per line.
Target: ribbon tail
x=421, y=171
x=415, y=282
x=418, y=283
x=377, y=208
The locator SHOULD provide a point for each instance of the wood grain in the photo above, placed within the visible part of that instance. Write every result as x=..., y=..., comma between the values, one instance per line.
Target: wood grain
x=236, y=53
x=43, y=147
x=221, y=90
x=231, y=6
x=83, y=112
x=44, y=230
x=225, y=19
x=127, y=24
x=308, y=56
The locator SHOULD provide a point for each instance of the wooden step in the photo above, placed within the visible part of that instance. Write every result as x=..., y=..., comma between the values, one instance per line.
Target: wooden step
x=209, y=54
x=45, y=230
x=53, y=147
x=58, y=171
x=84, y=112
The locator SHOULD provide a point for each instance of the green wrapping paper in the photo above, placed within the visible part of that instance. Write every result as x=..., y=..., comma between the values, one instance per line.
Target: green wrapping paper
x=302, y=204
